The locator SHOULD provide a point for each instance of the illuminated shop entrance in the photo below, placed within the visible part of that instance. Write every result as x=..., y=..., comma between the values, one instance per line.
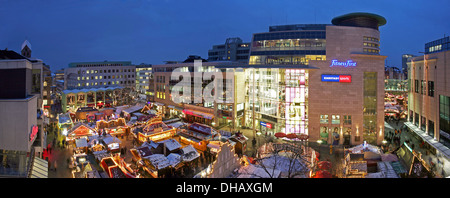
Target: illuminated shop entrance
x=278, y=99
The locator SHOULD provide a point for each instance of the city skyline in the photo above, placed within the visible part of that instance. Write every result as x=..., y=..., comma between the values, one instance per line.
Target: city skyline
x=156, y=31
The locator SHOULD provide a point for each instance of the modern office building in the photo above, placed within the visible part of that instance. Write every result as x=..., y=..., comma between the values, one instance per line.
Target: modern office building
x=323, y=80
x=234, y=50
x=192, y=107
x=22, y=136
x=81, y=75
x=144, y=78
x=429, y=101
x=97, y=84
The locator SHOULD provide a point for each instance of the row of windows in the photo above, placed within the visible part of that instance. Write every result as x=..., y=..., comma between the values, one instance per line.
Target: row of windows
x=289, y=43
x=104, y=83
x=105, y=71
x=290, y=35
x=103, y=77
x=423, y=87
x=374, y=51
x=367, y=38
x=371, y=45
x=98, y=65
x=161, y=95
x=290, y=52
x=423, y=123
x=335, y=119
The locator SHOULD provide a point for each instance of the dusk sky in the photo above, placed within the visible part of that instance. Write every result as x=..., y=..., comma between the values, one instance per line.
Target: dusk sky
x=150, y=31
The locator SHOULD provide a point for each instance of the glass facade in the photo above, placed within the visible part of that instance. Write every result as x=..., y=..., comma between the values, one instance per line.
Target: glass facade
x=13, y=163
x=444, y=120
x=278, y=97
x=290, y=47
x=370, y=107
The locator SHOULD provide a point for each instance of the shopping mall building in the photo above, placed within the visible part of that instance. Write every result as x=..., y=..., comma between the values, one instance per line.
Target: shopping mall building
x=324, y=80
x=429, y=102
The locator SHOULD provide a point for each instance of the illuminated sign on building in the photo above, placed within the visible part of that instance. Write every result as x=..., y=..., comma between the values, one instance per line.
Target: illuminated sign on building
x=265, y=124
x=348, y=63
x=34, y=131
x=336, y=78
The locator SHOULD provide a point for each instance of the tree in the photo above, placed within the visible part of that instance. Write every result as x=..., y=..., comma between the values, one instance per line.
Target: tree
x=287, y=158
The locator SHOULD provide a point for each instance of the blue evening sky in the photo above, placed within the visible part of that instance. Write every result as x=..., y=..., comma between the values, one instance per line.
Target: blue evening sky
x=151, y=31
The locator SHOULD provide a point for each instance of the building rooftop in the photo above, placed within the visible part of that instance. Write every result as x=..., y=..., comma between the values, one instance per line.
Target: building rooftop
x=360, y=19
x=9, y=54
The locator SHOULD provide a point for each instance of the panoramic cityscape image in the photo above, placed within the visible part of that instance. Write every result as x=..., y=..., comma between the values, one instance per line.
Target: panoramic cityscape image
x=242, y=90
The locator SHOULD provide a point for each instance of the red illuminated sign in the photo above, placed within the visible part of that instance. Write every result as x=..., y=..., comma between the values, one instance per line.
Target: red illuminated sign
x=345, y=78
x=34, y=131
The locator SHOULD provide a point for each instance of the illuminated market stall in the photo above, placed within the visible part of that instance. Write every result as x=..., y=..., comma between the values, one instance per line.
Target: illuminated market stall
x=80, y=130
x=116, y=127
x=154, y=130
x=198, y=135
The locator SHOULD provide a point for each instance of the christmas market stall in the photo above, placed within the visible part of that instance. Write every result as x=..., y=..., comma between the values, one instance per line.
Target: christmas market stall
x=198, y=135
x=83, y=112
x=240, y=142
x=154, y=130
x=80, y=130
x=155, y=164
x=116, y=127
x=113, y=144
x=64, y=123
x=81, y=145
x=115, y=167
x=127, y=113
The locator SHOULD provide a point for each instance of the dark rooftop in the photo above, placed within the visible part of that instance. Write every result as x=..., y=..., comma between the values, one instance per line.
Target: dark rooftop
x=9, y=54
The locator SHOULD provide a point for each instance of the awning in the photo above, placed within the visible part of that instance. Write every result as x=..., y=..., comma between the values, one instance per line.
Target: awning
x=39, y=168
x=198, y=114
x=422, y=134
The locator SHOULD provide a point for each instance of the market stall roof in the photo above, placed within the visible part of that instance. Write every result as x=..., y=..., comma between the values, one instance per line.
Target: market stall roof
x=369, y=155
x=144, y=151
x=176, y=124
x=189, y=153
x=64, y=118
x=111, y=139
x=39, y=168
x=389, y=158
x=174, y=159
x=133, y=109
x=150, y=145
x=365, y=147
x=171, y=144
x=80, y=143
x=81, y=129
x=158, y=160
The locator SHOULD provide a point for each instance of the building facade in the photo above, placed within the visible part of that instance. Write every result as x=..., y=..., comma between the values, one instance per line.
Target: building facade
x=99, y=74
x=428, y=100
x=192, y=108
x=144, y=78
x=326, y=81
x=234, y=50
x=22, y=129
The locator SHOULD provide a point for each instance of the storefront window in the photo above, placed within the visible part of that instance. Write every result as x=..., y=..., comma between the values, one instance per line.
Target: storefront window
x=347, y=119
x=335, y=119
x=324, y=119
x=431, y=128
